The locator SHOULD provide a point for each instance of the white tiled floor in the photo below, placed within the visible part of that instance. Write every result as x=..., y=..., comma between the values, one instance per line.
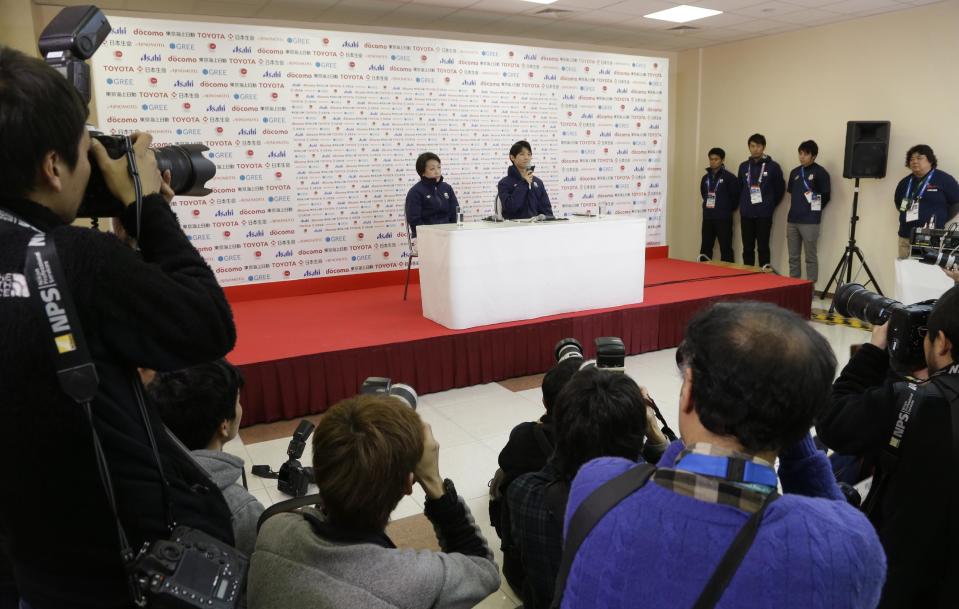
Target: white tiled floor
x=472, y=424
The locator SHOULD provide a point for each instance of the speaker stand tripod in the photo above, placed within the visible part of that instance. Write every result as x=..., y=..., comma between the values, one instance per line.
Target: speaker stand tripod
x=845, y=263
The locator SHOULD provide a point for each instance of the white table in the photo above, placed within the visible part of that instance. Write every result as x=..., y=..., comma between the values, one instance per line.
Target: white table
x=916, y=281
x=485, y=273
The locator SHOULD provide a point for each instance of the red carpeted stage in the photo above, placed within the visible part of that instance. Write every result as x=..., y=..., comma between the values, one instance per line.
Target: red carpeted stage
x=301, y=354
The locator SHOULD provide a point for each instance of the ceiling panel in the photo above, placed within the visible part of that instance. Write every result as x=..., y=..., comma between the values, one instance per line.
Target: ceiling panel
x=604, y=22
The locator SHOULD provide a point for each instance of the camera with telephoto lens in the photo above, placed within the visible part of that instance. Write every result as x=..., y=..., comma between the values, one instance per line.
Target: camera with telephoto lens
x=376, y=385
x=294, y=479
x=610, y=356
x=938, y=246
x=72, y=37
x=610, y=353
x=907, y=324
x=191, y=569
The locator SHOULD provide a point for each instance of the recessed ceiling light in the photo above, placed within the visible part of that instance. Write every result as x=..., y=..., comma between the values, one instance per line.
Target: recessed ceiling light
x=540, y=1
x=681, y=14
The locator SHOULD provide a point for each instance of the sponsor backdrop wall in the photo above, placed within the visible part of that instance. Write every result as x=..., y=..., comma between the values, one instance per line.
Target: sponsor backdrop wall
x=315, y=133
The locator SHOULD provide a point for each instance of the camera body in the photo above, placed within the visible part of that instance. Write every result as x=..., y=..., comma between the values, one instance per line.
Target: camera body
x=906, y=322
x=191, y=569
x=610, y=353
x=938, y=246
x=189, y=171
x=72, y=37
x=293, y=478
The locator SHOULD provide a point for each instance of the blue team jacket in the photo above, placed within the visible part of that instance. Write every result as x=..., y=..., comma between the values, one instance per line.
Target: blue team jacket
x=800, y=210
x=519, y=200
x=430, y=202
x=726, y=188
x=941, y=194
x=772, y=186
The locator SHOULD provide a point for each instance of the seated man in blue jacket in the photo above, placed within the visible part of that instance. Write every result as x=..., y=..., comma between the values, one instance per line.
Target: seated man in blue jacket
x=431, y=200
x=521, y=194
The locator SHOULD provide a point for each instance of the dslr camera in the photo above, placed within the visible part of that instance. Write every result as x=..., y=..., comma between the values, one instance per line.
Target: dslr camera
x=72, y=37
x=610, y=353
x=191, y=569
x=907, y=324
x=293, y=478
x=939, y=246
x=611, y=356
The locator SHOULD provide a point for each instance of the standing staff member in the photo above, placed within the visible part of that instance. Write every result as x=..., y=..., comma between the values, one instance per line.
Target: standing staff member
x=928, y=197
x=720, y=191
x=763, y=189
x=809, y=192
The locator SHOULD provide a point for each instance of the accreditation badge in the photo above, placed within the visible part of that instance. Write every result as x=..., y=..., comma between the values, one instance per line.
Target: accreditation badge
x=912, y=214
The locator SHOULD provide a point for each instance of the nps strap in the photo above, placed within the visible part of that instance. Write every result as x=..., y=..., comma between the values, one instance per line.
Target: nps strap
x=610, y=494
x=49, y=292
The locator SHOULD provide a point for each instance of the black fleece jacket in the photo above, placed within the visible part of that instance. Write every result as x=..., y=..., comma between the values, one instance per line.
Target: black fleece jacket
x=914, y=510
x=163, y=310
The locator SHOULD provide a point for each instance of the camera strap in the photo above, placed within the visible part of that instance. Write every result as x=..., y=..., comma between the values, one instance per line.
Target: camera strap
x=76, y=372
x=610, y=494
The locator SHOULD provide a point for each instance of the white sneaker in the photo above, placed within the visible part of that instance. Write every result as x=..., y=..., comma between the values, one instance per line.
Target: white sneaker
x=703, y=258
x=768, y=268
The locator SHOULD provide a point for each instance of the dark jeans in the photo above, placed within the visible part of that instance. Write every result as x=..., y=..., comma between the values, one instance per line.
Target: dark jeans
x=721, y=229
x=756, y=232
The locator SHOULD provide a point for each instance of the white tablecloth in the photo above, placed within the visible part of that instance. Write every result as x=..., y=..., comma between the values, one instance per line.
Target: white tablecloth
x=484, y=273
x=916, y=281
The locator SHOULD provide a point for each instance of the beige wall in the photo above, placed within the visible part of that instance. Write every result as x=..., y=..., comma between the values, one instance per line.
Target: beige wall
x=16, y=25
x=806, y=85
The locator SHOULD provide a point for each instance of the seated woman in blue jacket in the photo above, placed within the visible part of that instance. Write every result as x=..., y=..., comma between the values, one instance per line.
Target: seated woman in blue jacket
x=431, y=200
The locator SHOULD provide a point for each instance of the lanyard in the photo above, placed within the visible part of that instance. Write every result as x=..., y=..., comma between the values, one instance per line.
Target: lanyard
x=737, y=471
x=802, y=172
x=749, y=174
x=709, y=183
x=922, y=189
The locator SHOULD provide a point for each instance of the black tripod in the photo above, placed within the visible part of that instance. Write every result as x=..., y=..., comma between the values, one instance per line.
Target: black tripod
x=845, y=263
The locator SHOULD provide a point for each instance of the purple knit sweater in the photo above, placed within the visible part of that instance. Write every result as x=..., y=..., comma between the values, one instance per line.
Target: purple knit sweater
x=657, y=549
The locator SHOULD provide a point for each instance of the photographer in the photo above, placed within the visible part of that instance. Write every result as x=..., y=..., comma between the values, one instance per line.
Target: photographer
x=597, y=414
x=201, y=406
x=754, y=376
x=161, y=309
x=367, y=453
x=912, y=501
x=529, y=446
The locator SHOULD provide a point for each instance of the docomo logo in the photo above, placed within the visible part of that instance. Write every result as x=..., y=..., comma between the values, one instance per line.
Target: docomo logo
x=118, y=54
x=326, y=41
x=186, y=105
x=211, y=46
x=423, y=58
x=243, y=71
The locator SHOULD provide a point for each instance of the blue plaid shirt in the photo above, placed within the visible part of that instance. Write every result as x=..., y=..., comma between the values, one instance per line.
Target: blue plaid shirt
x=537, y=533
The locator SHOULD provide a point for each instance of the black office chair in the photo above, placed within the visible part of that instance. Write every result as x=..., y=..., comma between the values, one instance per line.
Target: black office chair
x=409, y=263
